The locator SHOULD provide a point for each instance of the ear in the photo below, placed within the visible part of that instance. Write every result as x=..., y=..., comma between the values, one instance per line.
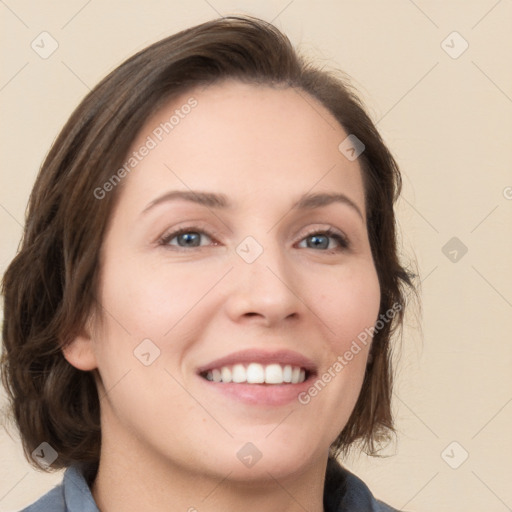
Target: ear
x=79, y=352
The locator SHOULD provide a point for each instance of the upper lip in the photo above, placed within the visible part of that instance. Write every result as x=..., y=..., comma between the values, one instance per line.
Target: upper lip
x=282, y=357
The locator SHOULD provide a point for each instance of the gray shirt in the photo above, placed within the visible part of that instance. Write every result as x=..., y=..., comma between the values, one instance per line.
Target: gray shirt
x=343, y=492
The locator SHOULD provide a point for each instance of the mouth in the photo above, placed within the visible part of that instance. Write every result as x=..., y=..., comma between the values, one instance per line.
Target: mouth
x=257, y=373
x=259, y=377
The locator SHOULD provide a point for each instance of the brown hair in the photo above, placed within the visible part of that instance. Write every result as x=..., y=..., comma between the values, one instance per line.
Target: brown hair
x=49, y=287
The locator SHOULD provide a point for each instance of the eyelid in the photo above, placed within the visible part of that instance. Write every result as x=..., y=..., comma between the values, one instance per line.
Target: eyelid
x=328, y=231
x=178, y=230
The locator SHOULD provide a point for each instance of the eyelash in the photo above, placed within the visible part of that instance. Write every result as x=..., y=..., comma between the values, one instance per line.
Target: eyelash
x=330, y=232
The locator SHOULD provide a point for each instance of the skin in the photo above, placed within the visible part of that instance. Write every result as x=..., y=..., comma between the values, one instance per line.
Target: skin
x=169, y=441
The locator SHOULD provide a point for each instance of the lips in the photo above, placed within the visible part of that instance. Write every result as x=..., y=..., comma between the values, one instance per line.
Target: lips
x=252, y=364
x=245, y=357
x=255, y=366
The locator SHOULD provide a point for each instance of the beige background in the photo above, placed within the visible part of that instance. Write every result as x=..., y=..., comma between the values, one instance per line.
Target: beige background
x=449, y=122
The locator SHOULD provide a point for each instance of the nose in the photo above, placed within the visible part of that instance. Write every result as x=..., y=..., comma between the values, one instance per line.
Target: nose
x=265, y=291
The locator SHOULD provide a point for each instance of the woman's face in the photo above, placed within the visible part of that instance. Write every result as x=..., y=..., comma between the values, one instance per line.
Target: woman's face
x=252, y=287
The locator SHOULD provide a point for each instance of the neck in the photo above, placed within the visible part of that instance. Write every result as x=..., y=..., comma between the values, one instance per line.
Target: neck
x=129, y=479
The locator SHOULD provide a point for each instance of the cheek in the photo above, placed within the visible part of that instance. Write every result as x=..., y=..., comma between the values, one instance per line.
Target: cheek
x=149, y=302
x=349, y=305
x=142, y=303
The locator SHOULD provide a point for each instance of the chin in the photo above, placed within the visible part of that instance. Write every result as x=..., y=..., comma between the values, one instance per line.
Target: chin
x=267, y=461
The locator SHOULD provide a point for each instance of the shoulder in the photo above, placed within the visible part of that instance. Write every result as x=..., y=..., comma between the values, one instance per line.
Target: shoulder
x=71, y=495
x=345, y=492
x=52, y=500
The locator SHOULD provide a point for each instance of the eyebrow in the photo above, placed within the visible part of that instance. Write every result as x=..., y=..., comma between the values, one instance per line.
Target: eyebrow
x=221, y=201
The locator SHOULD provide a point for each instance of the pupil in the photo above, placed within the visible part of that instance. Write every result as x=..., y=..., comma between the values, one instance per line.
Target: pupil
x=190, y=237
x=317, y=241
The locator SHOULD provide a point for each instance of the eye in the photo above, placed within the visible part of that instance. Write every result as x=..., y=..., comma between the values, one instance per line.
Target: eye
x=187, y=237
x=320, y=240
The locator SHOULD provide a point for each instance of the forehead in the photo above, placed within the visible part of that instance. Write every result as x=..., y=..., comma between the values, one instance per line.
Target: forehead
x=248, y=141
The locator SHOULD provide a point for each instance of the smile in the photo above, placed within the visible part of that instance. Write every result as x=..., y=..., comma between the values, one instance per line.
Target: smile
x=256, y=373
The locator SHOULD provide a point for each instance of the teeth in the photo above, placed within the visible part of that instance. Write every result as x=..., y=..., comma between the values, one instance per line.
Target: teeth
x=238, y=373
x=274, y=374
x=256, y=373
x=225, y=373
x=287, y=373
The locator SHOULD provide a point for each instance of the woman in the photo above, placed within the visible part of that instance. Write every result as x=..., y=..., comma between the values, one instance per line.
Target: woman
x=200, y=314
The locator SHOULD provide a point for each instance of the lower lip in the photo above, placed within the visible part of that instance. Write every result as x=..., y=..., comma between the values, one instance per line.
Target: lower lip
x=260, y=394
